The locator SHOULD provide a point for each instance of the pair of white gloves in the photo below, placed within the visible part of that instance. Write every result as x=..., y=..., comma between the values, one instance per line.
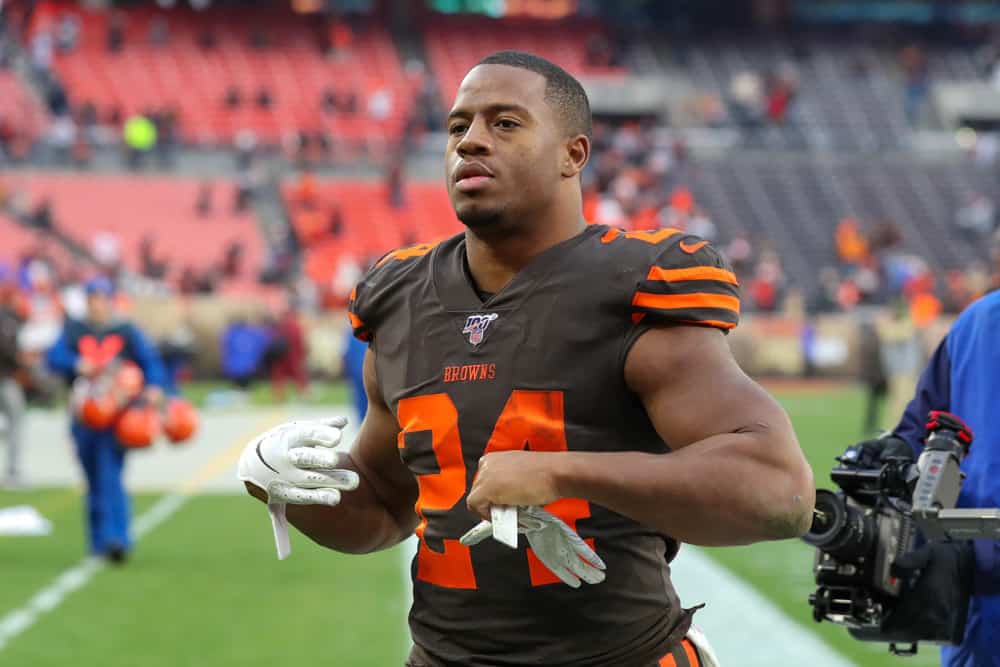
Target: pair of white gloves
x=295, y=463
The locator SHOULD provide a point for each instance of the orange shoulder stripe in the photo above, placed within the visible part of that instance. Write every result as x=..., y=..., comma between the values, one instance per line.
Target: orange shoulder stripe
x=409, y=252
x=692, y=273
x=681, y=301
x=652, y=237
x=356, y=322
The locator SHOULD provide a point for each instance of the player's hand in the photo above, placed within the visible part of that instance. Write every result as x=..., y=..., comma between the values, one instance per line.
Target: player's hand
x=295, y=463
x=558, y=546
x=513, y=479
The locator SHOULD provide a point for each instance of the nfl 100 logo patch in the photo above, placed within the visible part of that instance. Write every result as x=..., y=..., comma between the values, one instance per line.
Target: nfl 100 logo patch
x=476, y=325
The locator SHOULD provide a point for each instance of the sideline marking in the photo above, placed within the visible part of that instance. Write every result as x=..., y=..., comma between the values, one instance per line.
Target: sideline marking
x=49, y=598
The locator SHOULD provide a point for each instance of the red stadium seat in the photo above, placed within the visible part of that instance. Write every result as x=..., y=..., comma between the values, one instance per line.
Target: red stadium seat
x=455, y=44
x=194, y=80
x=133, y=207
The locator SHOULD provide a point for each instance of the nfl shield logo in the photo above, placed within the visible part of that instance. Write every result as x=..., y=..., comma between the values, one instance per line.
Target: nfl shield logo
x=475, y=327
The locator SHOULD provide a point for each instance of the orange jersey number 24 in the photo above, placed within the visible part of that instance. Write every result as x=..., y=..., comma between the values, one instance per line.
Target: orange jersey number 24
x=532, y=419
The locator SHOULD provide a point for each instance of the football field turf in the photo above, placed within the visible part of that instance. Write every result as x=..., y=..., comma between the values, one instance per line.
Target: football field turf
x=204, y=587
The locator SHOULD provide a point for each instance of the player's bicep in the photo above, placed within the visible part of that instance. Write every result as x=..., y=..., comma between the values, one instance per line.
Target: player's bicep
x=692, y=387
x=375, y=452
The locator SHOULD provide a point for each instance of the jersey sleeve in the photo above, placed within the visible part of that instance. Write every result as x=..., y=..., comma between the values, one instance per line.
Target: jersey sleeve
x=688, y=282
x=354, y=314
x=374, y=295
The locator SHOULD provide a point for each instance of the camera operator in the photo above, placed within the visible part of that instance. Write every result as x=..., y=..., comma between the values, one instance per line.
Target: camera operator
x=962, y=377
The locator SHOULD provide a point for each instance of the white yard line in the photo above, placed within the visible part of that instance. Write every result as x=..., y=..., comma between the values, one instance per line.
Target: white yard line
x=746, y=628
x=49, y=598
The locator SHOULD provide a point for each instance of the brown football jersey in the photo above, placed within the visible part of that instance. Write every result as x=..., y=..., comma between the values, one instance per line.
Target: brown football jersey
x=539, y=365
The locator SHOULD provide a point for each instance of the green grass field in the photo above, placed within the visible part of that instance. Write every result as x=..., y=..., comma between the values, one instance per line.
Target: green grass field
x=204, y=588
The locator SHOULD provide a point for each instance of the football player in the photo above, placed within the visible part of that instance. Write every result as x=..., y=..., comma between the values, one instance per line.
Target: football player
x=577, y=375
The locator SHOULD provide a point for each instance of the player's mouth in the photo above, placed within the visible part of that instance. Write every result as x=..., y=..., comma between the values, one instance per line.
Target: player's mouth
x=472, y=176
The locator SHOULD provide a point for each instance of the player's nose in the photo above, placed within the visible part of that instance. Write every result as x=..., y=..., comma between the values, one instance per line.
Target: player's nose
x=476, y=140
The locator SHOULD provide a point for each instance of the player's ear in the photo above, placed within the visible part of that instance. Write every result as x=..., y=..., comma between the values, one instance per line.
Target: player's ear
x=577, y=155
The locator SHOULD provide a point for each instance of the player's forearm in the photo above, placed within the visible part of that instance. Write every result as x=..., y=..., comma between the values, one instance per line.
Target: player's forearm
x=361, y=523
x=725, y=490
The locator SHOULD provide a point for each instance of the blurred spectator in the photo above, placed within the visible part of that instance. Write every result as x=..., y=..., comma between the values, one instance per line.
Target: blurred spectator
x=873, y=375
x=41, y=51
x=232, y=260
x=740, y=253
x=203, y=202
x=746, y=99
x=339, y=39
x=288, y=351
x=395, y=183
x=11, y=391
x=106, y=250
x=782, y=88
x=913, y=62
x=246, y=149
x=767, y=286
x=702, y=225
x=976, y=218
x=149, y=265
x=139, y=134
x=852, y=246
x=598, y=51
x=243, y=345
x=207, y=39
x=115, y=37
x=233, y=98
x=259, y=38
x=328, y=101
x=41, y=217
x=380, y=104
x=264, y=99
x=165, y=123
x=159, y=31
x=67, y=32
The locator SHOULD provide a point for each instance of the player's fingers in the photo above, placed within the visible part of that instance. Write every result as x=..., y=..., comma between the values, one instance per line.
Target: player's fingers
x=585, y=570
x=477, y=534
x=564, y=574
x=335, y=422
x=314, y=434
x=583, y=550
x=294, y=495
x=314, y=458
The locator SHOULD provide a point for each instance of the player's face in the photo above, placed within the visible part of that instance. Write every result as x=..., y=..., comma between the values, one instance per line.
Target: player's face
x=502, y=160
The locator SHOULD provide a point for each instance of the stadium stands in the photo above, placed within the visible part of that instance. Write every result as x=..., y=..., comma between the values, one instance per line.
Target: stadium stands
x=195, y=79
x=20, y=110
x=454, y=44
x=369, y=225
x=131, y=208
x=795, y=203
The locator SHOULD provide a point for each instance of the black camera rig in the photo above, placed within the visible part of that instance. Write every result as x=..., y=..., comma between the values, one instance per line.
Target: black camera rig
x=885, y=505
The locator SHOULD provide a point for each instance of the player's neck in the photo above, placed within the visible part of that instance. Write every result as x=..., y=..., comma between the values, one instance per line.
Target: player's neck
x=494, y=261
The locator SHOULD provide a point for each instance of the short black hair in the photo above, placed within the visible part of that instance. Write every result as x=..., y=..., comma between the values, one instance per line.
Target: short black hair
x=562, y=90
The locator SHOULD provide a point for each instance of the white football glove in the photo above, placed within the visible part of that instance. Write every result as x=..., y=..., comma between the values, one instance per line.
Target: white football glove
x=557, y=545
x=295, y=463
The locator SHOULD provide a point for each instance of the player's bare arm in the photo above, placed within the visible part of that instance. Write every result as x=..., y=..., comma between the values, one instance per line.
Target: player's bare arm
x=736, y=473
x=379, y=513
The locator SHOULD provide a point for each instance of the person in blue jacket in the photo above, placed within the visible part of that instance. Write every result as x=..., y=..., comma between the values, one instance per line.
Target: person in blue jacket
x=963, y=378
x=354, y=361
x=82, y=347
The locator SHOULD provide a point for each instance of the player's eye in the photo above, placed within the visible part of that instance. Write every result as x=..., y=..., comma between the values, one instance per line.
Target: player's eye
x=507, y=124
x=457, y=129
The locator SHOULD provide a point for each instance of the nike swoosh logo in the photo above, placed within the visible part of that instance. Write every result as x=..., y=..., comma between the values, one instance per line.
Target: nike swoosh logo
x=261, y=457
x=692, y=249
